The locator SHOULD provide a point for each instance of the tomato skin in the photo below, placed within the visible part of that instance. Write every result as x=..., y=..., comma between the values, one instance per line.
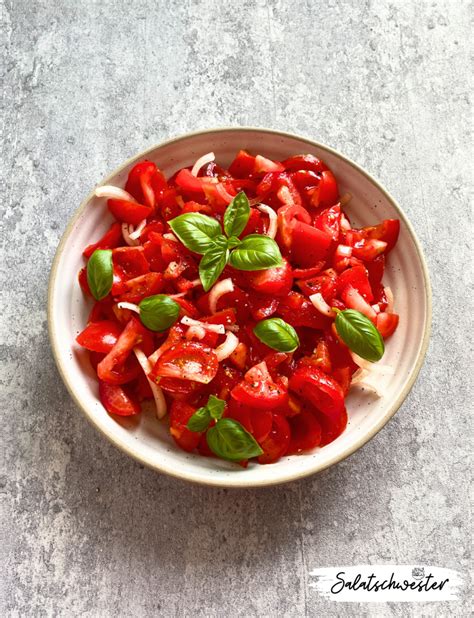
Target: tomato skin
x=116, y=401
x=109, y=240
x=263, y=306
x=187, y=361
x=128, y=212
x=329, y=221
x=330, y=429
x=286, y=217
x=243, y=165
x=297, y=310
x=327, y=193
x=275, y=445
x=308, y=244
x=275, y=281
x=368, y=249
x=304, y=162
x=258, y=390
x=99, y=336
x=320, y=390
x=375, y=270
x=82, y=278
x=325, y=284
x=354, y=300
x=255, y=421
x=357, y=278
x=140, y=287
x=264, y=166
x=224, y=381
x=387, y=231
x=227, y=317
x=186, y=181
x=180, y=414
x=145, y=182
x=130, y=262
x=305, y=432
x=386, y=323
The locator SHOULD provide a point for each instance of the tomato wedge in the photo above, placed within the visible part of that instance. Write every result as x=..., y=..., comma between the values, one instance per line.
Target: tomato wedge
x=99, y=336
x=258, y=390
x=304, y=162
x=305, y=432
x=109, y=240
x=326, y=193
x=276, y=443
x=357, y=278
x=135, y=290
x=116, y=401
x=243, y=165
x=187, y=361
x=386, y=323
x=145, y=182
x=257, y=422
x=129, y=212
x=308, y=244
x=329, y=221
x=276, y=281
x=297, y=310
x=180, y=414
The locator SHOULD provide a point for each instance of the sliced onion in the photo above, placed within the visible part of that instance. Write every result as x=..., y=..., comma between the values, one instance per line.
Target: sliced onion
x=195, y=332
x=196, y=282
x=225, y=195
x=390, y=299
x=273, y=223
x=160, y=401
x=360, y=378
x=227, y=347
x=345, y=225
x=130, y=306
x=219, y=289
x=126, y=235
x=212, y=328
x=138, y=230
x=170, y=236
x=321, y=305
x=157, y=353
x=372, y=367
x=344, y=250
x=114, y=193
x=376, y=308
x=204, y=160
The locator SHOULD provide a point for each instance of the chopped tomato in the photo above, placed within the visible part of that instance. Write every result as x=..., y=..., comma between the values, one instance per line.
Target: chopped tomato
x=116, y=401
x=263, y=165
x=305, y=432
x=276, y=443
x=243, y=165
x=354, y=300
x=304, y=162
x=139, y=288
x=187, y=361
x=145, y=182
x=276, y=281
x=325, y=284
x=180, y=414
x=128, y=212
x=326, y=193
x=258, y=390
x=185, y=180
x=299, y=311
x=368, y=249
x=387, y=231
x=109, y=240
x=263, y=306
x=99, y=336
x=288, y=215
x=227, y=317
x=329, y=221
x=130, y=261
x=358, y=279
x=308, y=245
x=225, y=380
x=256, y=421
x=386, y=323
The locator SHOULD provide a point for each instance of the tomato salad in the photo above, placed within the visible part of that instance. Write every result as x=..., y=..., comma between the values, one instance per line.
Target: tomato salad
x=241, y=301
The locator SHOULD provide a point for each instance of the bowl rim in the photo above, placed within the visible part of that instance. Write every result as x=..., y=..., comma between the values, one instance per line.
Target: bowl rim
x=239, y=481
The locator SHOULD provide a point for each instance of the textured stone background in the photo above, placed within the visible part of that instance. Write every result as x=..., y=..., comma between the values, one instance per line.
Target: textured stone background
x=87, y=84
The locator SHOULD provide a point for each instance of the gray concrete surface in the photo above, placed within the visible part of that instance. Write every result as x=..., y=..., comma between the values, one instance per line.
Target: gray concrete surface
x=87, y=84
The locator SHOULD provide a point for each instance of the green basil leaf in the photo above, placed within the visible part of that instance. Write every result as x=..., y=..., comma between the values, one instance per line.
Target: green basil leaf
x=277, y=334
x=158, y=312
x=200, y=420
x=216, y=407
x=221, y=241
x=229, y=440
x=100, y=273
x=233, y=242
x=196, y=231
x=256, y=252
x=236, y=215
x=359, y=334
x=212, y=264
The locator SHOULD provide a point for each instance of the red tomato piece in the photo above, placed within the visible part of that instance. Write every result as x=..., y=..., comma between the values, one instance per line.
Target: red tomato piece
x=368, y=250
x=225, y=380
x=320, y=358
x=82, y=278
x=128, y=212
x=262, y=306
x=354, y=300
x=139, y=288
x=109, y=240
x=386, y=323
x=243, y=165
x=227, y=317
x=330, y=429
x=299, y=311
x=99, y=336
x=306, y=273
x=329, y=221
x=304, y=162
x=387, y=231
x=305, y=180
x=276, y=281
x=357, y=278
x=325, y=284
x=180, y=414
x=375, y=270
x=288, y=215
x=145, y=182
x=255, y=421
x=130, y=262
x=326, y=194
x=343, y=376
x=181, y=390
x=116, y=401
x=255, y=224
x=319, y=389
x=276, y=443
x=186, y=181
x=152, y=226
x=264, y=166
x=258, y=390
x=308, y=245
x=187, y=361
x=305, y=432
x=168, y=204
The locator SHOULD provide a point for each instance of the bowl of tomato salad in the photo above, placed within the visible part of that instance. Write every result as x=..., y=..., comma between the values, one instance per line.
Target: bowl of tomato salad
x=239, y=307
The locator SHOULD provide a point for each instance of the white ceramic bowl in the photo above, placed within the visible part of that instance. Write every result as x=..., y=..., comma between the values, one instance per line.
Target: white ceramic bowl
x=148, y=440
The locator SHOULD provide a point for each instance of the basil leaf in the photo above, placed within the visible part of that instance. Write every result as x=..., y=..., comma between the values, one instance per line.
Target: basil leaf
x=277, y=334
x=236, y=215
x=256, y=252
x=158, y=312
x=216, y=407
x=200, y=420
x=229, y=440
x=211, y=266
x=233, y=242
x=359, y=334
x=100, y=273
x=196, y=231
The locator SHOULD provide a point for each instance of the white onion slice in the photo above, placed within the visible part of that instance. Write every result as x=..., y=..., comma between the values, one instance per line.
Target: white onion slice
x=204, y=160
x=212, y=328
x=126, y=235
x=345, y=225
x=196, y=282
x=130, y=306
x=390, y=299
x=157, y=353
x=114, y=193
x=344, y=250
x=372, y=367
x=170, y=236
x=135, y=235
x=219, y=289
x=227, y=347
x=273, y=223
x=158, y=396
x=360, y=378
x=376, y=308
x=195, y=332
x=321, y=305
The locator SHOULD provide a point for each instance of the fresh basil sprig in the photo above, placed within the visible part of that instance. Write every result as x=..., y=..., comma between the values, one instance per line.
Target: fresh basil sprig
x=200, y=420
x=277, y=334
x=359, y=334
x=158, y=312
x=203, y=235
x=229, y=440
x=100, y=273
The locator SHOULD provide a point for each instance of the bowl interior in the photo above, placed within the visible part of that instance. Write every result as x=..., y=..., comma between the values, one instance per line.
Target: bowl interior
x=147, y=439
